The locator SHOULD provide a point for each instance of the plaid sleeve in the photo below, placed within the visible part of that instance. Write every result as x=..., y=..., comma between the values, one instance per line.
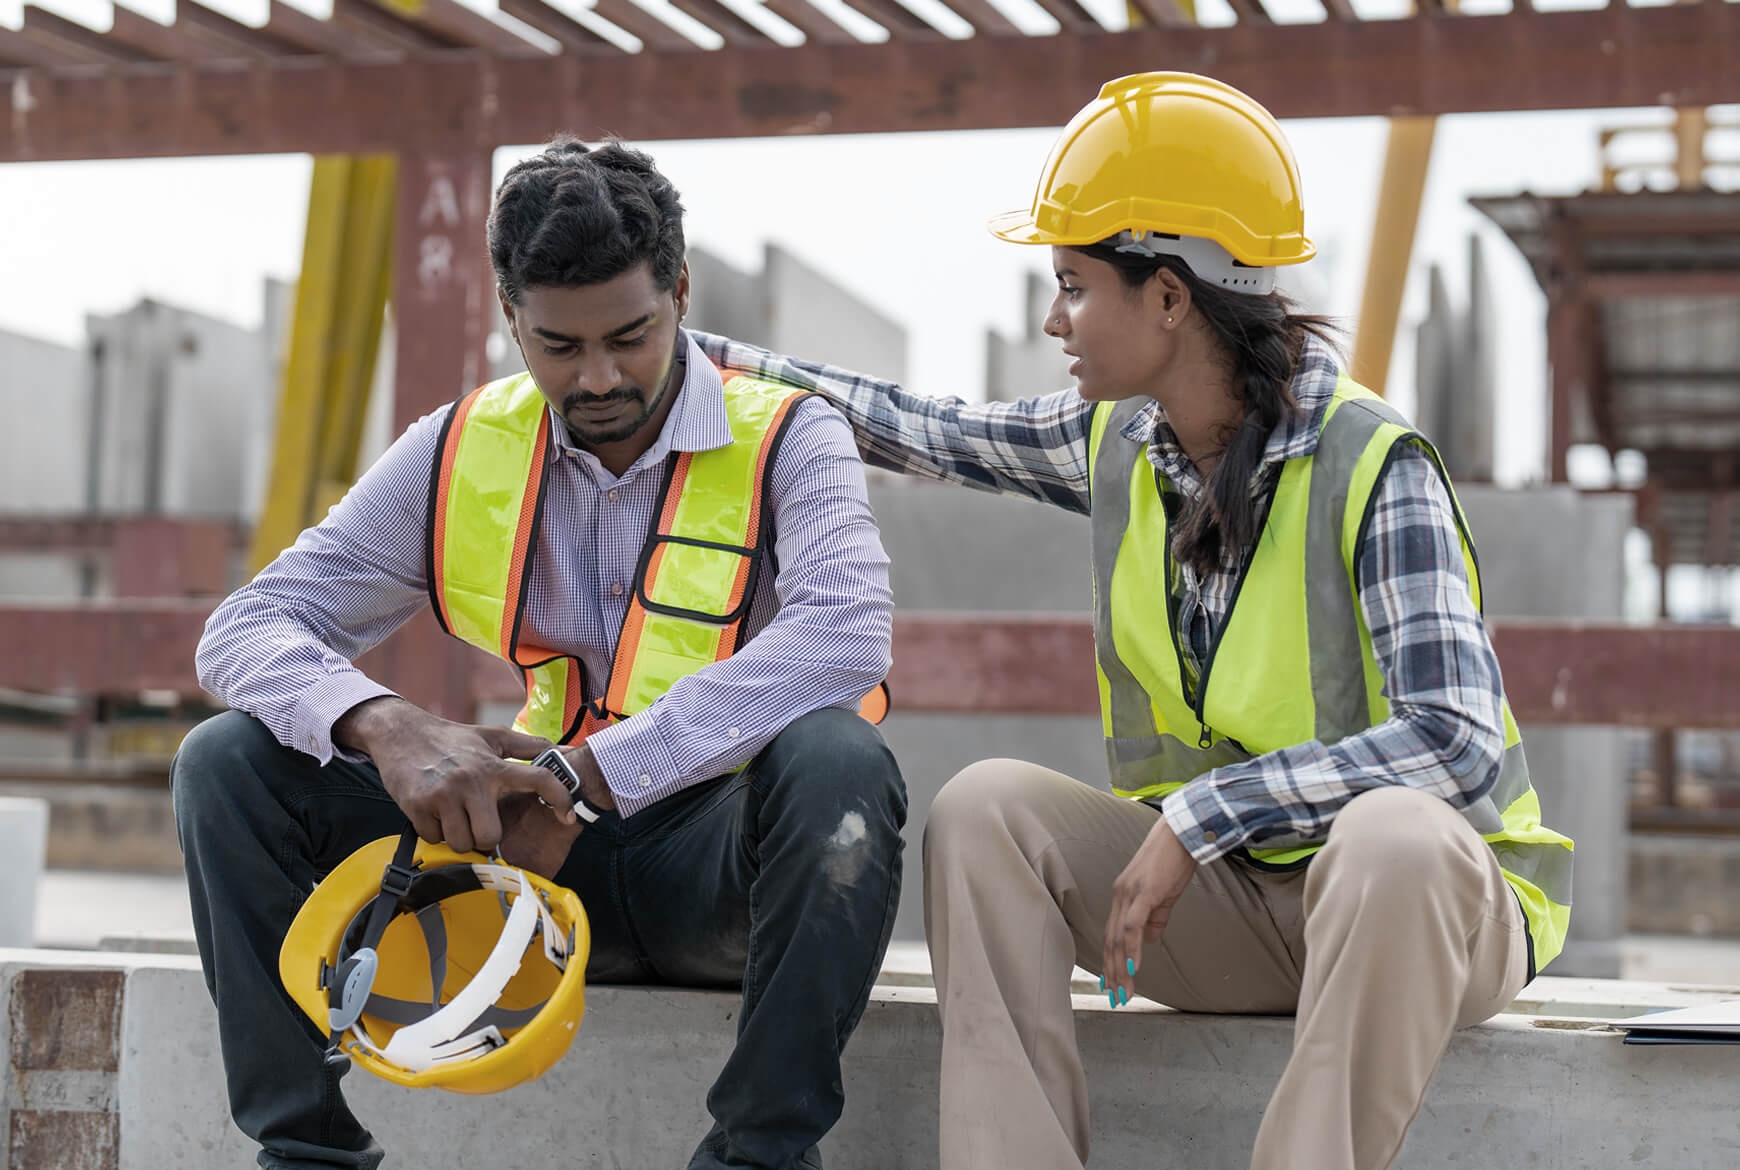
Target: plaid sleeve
x=1036, y=448
x=1445, y=733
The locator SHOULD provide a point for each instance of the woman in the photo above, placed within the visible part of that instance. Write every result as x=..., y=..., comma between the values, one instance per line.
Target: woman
x=1322, y=803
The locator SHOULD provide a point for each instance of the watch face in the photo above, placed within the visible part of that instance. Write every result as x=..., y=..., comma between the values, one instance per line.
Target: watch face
x=552, y=761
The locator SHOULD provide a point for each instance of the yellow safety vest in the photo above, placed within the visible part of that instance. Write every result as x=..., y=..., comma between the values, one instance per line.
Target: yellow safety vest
x=1293, y=661
x=694, y=581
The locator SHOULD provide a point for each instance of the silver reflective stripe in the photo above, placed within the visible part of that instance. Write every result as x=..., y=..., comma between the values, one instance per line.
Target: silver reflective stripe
x=1546, y=865
x=1142, y=761
x=1337, y=669
x=1131, y=713
x=1487, y=813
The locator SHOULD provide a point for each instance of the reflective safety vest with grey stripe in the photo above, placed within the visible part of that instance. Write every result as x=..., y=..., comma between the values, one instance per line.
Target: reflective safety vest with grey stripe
x=1292, y=661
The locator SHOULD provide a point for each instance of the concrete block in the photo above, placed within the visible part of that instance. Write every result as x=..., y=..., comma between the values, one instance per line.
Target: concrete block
x=1686, y=885
x=66, y=1019
x=40, y=1139
x=23, y=831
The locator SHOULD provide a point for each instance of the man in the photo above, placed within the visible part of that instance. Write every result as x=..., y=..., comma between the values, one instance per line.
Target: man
x=587, y=521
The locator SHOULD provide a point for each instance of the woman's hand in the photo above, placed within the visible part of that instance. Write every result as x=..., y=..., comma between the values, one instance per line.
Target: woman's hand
x=1142, y=901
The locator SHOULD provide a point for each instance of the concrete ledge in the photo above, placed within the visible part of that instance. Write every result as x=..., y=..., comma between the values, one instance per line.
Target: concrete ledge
x=1552, y=1093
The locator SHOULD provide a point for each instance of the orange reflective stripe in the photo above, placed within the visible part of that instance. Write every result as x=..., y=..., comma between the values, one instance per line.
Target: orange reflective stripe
x=522, y=554
x=444, y=481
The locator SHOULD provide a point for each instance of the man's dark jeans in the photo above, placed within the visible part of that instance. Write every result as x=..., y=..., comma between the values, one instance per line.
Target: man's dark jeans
x=781, y=879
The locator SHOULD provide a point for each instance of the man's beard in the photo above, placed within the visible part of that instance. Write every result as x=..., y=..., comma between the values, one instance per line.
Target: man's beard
x=616, y=429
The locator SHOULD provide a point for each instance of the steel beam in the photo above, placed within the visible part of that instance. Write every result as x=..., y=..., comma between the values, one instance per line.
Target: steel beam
x=439, y=280
x=1564, y=673
x=1680, y=55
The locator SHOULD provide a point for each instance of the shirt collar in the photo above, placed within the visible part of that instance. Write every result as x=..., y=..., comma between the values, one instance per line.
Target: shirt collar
x=697, y=421
x=1295, y=436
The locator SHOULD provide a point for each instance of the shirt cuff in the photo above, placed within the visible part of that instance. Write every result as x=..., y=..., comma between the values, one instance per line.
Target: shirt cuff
x=1198, y=821
x=322, y=705
x=635, y=757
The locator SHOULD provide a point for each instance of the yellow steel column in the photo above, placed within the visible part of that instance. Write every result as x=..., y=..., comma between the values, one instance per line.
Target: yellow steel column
x=335, y=335
x=1400, y=191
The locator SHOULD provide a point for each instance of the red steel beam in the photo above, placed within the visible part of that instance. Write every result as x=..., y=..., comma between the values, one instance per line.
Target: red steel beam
x=1565, y=673
x=1609, y=285
x=1680, y=55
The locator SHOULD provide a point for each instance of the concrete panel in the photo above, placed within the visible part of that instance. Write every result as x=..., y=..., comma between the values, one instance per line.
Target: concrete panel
x=1030, y=363
x=810, y=314
x=23, y=834
x=1554, y=552
x=1168, y=1089
x=176, y=395
x=726, y=300
x=42, y=464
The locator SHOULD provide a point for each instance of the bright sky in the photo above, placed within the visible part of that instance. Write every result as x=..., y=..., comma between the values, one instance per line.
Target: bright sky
x=899, y=219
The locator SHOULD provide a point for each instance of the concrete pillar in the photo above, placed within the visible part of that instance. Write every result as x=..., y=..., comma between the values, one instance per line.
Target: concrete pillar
x=23, y=833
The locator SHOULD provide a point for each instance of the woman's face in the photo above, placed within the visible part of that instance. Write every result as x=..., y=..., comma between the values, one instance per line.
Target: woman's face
x=1119, y=336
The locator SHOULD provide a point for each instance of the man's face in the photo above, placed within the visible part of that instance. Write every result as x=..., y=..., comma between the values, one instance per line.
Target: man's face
x=602, y=353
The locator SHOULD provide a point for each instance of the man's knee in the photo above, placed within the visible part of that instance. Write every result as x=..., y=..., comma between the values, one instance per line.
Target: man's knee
x=833, y=754
x=215, y=757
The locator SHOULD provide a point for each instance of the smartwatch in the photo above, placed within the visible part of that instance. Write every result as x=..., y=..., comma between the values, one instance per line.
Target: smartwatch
x=553, y=761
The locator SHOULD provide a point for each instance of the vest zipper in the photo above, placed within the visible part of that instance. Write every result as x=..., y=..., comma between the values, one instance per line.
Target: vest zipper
x=1205, y=739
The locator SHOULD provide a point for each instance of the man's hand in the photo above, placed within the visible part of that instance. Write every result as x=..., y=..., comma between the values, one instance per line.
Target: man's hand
x=1142, y=901
x=448, y=778
x=535, y=836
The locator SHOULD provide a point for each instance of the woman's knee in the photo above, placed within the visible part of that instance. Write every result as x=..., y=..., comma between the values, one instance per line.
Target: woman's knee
x=1398, y=834
x=985, y=795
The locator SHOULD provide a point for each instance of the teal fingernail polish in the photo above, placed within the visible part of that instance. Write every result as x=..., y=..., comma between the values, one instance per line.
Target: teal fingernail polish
x=1112, y=995
x=1102, y=982
x=1125, y=995
x=1130, y=966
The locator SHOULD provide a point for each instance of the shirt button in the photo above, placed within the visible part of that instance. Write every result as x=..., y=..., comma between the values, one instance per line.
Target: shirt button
x=645, y=781
x=734, y=732
x=616, y=589
x=1210, y=836
x=613, y=495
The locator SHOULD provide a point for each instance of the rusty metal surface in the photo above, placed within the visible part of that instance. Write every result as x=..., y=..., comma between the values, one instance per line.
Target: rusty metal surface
x=66, y=1020
x=1680, y=55
x=1555, y=672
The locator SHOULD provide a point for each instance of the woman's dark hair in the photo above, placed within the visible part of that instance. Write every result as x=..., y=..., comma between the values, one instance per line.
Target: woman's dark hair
x=572, y=215
x=1262, y=338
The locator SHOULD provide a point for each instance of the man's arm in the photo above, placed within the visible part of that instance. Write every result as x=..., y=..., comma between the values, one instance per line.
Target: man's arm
x=280, y=648
x=827, y=646
x=1036, y=448
x=1445, y=733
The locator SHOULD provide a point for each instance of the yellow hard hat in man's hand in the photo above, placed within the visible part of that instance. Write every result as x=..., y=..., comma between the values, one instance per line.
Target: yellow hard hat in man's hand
x=425, y=967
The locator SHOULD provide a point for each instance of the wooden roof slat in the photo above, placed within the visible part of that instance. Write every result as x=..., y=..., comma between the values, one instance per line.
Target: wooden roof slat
x=723, y=21
x=985, y=18
x=553, y=22
x=1164, y=13
x=232, y=36
x=1076, y=19
x=652, y=32
x=453, y=22
x=76, y=40
x=1250, y=12
x=367, y=21
x=158, y=40
x=1339, y=10
x=16, y=49
x=322, y=38
x=902, y=23
x=815, y=24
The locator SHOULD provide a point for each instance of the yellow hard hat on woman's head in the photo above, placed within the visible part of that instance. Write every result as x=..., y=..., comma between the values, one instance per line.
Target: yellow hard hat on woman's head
x=1173, y=155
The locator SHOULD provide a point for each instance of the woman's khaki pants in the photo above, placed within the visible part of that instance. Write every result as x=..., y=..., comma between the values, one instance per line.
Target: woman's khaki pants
x=1401, y=930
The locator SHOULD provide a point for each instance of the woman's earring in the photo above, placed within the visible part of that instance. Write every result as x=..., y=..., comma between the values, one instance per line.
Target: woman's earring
x=1168, y=320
